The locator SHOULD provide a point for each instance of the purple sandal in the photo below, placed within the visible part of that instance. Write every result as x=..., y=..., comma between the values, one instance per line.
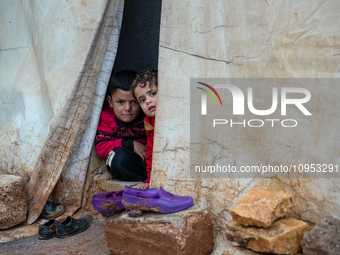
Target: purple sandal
x=146, y=193
x=136, y=201
x=108, y=202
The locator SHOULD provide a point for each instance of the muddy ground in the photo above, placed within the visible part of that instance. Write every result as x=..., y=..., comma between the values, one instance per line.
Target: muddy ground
x=92, y=241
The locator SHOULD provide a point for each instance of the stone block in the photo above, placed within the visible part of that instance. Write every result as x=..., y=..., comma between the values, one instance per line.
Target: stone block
x=185, y=232
x=230, y=249
x=110, y=185
x=283, y=237
x=261, y=206
x=324, y=238
x=13, y=201
x=234, y=249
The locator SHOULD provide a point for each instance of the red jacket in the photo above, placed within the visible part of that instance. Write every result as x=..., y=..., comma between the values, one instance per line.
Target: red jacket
x=113, y=133
x=149, y=123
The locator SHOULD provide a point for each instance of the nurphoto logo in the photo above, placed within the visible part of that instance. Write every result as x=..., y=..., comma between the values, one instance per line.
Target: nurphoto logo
x=238, y=100
x=264, y=127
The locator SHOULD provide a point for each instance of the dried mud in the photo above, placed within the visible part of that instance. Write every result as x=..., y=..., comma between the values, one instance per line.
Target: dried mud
x=136, y=208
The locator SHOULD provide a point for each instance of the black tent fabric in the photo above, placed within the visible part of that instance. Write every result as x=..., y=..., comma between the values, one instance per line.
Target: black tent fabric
x=139, y=37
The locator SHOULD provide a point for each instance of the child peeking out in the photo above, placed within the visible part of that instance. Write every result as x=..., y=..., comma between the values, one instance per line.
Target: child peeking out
x=121, y=136
x=144, y=89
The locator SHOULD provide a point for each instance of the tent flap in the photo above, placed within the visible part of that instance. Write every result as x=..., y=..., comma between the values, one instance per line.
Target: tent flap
x=64, y=157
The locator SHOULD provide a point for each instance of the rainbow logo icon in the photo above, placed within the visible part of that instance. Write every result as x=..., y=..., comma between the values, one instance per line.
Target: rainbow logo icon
x=209, y=93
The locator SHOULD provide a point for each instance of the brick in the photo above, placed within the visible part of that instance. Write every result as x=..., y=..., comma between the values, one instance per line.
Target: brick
x=185, y=232
x=283, y=237
x=261, y=206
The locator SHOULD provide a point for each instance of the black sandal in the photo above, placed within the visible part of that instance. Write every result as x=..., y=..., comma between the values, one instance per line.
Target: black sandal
x=71, y=226
x=52, y=210
x=48, y=230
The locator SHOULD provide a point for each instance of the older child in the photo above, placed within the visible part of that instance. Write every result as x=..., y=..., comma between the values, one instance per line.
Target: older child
x=145, y=89
x=121, y=136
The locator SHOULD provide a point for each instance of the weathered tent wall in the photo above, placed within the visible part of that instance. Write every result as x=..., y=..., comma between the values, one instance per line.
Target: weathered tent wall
x=55, y=63
x=247, y=39
x=41, y=51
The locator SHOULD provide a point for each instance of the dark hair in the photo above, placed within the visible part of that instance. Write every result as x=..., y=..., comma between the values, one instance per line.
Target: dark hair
x=150, y=76
x=121, y=80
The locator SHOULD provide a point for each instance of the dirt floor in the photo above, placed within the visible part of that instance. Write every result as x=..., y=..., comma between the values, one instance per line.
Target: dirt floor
x=91, y=241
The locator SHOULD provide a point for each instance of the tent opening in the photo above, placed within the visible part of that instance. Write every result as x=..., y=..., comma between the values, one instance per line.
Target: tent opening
x=138, y=51
x=139, y=36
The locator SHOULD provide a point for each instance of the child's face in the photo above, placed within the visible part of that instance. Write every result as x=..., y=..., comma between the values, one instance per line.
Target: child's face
x=147, y=98
x=124, y=105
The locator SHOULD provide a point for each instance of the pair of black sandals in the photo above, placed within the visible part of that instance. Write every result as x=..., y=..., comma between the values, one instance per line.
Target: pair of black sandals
x=61, y=229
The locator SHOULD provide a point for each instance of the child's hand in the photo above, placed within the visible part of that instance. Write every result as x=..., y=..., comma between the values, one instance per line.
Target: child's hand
x=143, y=186
x=139, y=148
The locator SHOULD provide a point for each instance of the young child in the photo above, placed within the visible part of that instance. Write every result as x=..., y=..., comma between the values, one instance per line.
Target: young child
x=121, y=136
x=145, y=89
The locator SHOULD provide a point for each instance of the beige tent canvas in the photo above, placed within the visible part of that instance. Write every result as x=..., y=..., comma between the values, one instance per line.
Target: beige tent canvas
x=56, y=61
